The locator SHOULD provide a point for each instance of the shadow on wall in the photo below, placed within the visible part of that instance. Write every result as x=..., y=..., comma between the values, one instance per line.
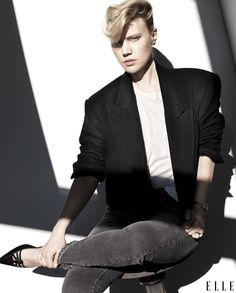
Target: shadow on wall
x=28, y=186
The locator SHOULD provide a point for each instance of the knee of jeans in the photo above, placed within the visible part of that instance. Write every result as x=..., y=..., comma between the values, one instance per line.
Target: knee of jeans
x=175, y=253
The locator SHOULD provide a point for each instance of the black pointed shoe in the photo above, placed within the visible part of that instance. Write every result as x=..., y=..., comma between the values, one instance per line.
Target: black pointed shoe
x=13, y=257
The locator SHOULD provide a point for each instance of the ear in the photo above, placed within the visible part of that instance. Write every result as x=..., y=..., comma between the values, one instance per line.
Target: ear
x=154, y=36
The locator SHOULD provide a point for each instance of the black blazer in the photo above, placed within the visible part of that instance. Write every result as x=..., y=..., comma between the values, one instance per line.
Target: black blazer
x=112, y=145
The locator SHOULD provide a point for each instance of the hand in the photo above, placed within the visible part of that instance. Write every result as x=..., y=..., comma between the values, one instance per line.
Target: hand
x=50, y=251
x=195, y=221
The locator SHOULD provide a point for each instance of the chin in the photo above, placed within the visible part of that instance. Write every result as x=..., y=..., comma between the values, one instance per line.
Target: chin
x=133, y=70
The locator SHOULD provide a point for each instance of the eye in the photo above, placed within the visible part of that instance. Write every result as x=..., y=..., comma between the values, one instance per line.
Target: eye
x=134, y=39
x=116, y=44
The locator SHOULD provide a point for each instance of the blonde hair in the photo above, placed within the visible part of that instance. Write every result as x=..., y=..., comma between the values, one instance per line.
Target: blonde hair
x=118, y=16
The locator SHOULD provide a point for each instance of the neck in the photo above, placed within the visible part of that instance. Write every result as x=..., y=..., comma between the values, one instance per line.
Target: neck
x=147, y=80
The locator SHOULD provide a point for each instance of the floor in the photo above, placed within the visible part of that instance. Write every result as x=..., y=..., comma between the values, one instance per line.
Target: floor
x=23, y=280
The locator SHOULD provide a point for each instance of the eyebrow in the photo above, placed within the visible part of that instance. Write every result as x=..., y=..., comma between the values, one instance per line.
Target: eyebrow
x=130, y=37
x=133, y=36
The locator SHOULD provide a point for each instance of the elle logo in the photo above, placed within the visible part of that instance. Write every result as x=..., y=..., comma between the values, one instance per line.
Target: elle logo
x=220, y=286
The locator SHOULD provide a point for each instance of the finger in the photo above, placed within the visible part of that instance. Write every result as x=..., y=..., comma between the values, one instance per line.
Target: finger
x=197, y=235
x=47, y=259
x=50, y=260
x=197, y=230
x=200, y=233
x=194, y=230
x=55, y=261
x=188, y=227
x=190, y=230
x=196, y=227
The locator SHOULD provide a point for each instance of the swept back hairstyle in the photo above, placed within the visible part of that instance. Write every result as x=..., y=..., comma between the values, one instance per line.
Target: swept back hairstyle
x=118, y=16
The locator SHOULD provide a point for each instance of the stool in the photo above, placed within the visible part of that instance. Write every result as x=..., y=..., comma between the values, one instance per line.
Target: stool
x=153, y=281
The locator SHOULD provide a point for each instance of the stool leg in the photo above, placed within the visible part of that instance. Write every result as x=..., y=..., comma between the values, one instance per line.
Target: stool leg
x=156, y=288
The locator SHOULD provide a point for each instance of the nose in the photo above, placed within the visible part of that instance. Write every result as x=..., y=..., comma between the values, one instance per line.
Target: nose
x=126, y=48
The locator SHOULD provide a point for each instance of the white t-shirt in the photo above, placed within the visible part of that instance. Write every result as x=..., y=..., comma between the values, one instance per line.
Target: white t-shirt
x=151, y=113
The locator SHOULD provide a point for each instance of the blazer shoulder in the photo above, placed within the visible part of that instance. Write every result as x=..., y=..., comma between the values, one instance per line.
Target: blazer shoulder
x=196, y=76
x=193, y=83
x=105, y=94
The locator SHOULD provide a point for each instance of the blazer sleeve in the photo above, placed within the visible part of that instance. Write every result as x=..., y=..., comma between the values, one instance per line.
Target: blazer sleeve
x=91, y=159
x=211, y=121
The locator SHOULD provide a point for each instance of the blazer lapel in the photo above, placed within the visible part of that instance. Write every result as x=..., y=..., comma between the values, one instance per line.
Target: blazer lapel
x=172, y=101
x=177, y=118
x=127, y=125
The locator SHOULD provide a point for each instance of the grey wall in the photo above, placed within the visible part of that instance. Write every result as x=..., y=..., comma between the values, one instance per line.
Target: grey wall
x=27, y=180
x=229, y=12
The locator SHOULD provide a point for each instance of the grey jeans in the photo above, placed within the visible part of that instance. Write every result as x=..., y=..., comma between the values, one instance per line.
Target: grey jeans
x=126, y=241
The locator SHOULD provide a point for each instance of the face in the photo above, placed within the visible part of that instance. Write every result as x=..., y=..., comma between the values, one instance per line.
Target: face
x=134, y=50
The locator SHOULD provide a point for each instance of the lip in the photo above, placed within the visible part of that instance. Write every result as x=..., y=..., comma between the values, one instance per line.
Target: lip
x=129, y=62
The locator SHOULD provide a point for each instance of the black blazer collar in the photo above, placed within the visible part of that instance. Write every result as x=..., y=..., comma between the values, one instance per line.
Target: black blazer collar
x=172, y=101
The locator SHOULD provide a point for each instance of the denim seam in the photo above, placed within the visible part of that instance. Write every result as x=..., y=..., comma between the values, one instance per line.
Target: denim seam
x=93, y=286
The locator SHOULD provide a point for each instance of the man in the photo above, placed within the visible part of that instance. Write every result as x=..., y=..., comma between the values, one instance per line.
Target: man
x=154, y=135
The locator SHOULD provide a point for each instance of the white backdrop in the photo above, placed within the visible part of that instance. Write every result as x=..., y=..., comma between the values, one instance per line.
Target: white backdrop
x=69, y=58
